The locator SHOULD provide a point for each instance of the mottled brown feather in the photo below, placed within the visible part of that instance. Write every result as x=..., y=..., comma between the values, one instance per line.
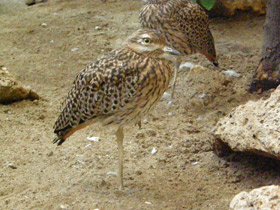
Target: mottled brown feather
x=184, y=24
x=119, y=88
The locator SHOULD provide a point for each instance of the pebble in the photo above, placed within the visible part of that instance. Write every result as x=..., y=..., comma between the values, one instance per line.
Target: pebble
x=231, y=73
x=170, y=114
x=202, y=96
x=74, y=49
x=148, y=203
x=63, y=207
x=44, y=25
x=12, y=166
x=95, y=139
x=166, y=96
x=97, y=28
x=187, y=65
x=88, y=145
x=170, y=103
x=112, y=173
x=4, y=69
x=145, y=121
x=79, y=155
x=82, y=162
x=154, y=151
x=52, y=41
x=195, y=163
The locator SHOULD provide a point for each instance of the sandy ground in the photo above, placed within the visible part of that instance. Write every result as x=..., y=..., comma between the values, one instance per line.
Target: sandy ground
x=183, y=174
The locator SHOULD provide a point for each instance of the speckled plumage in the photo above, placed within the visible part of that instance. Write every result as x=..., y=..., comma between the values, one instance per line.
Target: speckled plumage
x=119, y=88
x=184, y=24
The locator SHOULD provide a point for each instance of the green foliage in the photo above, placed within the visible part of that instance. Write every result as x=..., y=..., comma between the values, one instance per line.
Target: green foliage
x=207, y=4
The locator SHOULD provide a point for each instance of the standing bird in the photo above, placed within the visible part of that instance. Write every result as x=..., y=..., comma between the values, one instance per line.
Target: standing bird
x=119, y=88
x=184, y=25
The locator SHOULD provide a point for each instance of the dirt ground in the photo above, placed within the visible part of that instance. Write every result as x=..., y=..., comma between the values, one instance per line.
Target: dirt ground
x=38, y=47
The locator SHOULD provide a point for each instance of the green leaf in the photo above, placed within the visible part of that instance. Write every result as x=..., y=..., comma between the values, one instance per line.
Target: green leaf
x=208, y=4
x=194, y=1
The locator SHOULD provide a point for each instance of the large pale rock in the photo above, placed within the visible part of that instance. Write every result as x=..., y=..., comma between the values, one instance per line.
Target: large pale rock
x=264, y=198
x=253, y=127
x=11, y=91
x=229, y=7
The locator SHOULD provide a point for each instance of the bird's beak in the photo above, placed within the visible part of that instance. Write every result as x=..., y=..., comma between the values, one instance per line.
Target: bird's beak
x=171, y=51
x=210, y=58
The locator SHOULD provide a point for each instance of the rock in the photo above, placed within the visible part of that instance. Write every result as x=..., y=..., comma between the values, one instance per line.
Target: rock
x=267, y=197
x=12, y=166
x=187, y=65
x=231, y=73
x=11, y=91
x=253, y=127
x=229, y=7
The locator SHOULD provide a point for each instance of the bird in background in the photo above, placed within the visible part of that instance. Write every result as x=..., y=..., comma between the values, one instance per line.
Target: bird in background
x=184, y=25
x=119, y=88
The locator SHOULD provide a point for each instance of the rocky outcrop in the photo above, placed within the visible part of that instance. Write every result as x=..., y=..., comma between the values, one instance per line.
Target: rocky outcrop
x=267, y=197
x=11, y=91
x=253, y=127
x=229, y=7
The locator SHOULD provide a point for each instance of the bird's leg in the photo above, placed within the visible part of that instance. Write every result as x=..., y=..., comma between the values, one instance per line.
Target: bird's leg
x=120, y=137
x=177, y=65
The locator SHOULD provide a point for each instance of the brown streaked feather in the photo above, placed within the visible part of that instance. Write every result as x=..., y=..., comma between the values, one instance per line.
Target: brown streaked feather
x=184, y=24
x=119, y=88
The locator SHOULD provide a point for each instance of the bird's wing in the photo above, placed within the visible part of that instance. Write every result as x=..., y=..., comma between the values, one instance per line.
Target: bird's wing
x=100, y=89
x=194, y=22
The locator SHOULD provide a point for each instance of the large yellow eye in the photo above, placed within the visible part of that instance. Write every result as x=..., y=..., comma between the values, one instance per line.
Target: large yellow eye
x=147, y=40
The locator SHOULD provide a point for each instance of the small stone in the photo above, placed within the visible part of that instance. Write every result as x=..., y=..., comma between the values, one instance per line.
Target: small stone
x=95, y=139
x=166, y=96
x=231, y=73
x=12, y=166
x=148, y=203
x=195, y=163
x=202, y=96
x=154, y=151
x=4, y=68
x=81, y=162
x=112, y=173
x=186, y=65
x=63, y=207
x=44, y=25
x=170, y=103
x=74, y=49
x=88, y=145
x=97, y=28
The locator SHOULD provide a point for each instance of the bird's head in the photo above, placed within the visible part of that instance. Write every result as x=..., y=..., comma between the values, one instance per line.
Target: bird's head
x=150, y=43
